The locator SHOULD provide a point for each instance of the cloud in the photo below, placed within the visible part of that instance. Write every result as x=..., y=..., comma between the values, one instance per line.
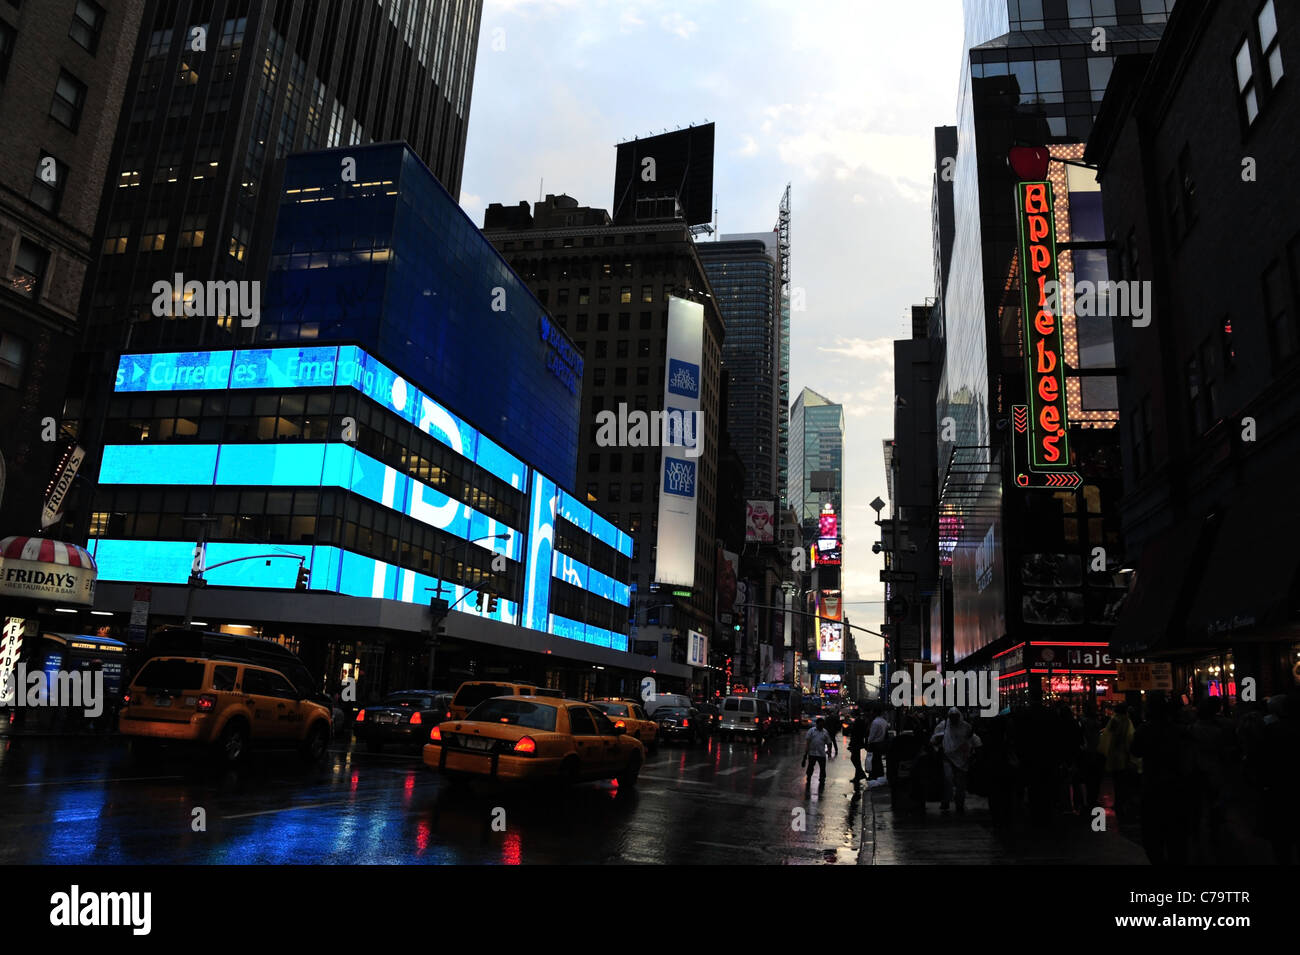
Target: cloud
x=875, y=349
x=678, y=25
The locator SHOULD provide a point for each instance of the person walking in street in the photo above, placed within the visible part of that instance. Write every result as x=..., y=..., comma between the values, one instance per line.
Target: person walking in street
x=957, y=740
x=1115, y=745
x=1164, y=745
x=833, y=730
x=877, y=740
x=857, y=743
x=816, y=744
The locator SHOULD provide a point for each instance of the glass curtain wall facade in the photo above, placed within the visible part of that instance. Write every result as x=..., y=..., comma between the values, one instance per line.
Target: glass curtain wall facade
x=816, y=444
x=1032, y=76
x=745, y=277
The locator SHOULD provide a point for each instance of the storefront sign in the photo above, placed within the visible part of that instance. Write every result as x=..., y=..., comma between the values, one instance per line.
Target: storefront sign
x=68, y=468
x=1043, y=340
x=38, y=580
x=11, y=644
x=1144, y=676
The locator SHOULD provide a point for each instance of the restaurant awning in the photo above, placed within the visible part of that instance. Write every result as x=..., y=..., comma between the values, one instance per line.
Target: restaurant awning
x=1166, y=573
x=38, y=568
x=1250, y=582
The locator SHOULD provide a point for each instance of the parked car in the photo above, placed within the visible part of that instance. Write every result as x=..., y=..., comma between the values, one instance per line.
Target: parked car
x=225, y=705
x=681, y=723
x=529, y=738
x=402, y=717
x=631, y=716
x=667, y=699
x=710, y=714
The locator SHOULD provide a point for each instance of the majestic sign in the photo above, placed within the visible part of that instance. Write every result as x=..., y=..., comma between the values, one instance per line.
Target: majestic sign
x=1044, y=346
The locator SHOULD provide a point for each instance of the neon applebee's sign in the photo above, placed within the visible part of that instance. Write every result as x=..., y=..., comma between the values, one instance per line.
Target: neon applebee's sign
x=1044, y=343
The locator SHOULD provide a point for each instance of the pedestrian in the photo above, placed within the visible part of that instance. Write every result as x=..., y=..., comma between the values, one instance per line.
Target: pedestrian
x=1164, y=745
x=857, y=743
x=832, y=730
x=877, y=741
x=1093, y=763
x=1114, y=744
x=957, y=740
x=1215, y=749
x=816, y=744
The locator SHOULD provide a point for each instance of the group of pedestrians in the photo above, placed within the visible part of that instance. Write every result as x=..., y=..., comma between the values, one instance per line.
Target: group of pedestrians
x=1186, y=774
x=821, y=742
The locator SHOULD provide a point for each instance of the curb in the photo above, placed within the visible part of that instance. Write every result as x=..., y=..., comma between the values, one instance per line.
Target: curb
x=867, y=847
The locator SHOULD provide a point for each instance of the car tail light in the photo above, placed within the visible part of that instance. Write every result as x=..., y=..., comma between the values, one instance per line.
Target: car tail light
x=206, y=703
x=416, y=719
x=685, y=723
x=525, y=744
x=435, y=735
x=620, y=724
x=361, y=715
x=126, y=698
x=447, y=715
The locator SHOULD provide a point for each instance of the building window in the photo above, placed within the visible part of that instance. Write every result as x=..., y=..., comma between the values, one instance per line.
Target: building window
x=13, y=356
x=593, y=463
x=561, y=296
x=584, y=296
x=643, y=348
x=543, y=296
x=29, y=268
x=7, y=37
x=636, y=492
x=645, y=321
x=154, y=235
x=647, y=294
x=582, y=323
x=602, y=348
x=47, y=185
x=621, y=350
x=598, y=377
x=69, y=97
x=602, y=321
x=1281, y=328
x=620, y=375
x=87, y=20
x=638, y=461
x=115, y=238
x=616, y=463
x=192, y=230
x=615, y=493
x=603, y=294
x=624, y=321
x=1268, y=45
x=643, y=375
x=625, y=295
x=591, y=491
x=1246, y=83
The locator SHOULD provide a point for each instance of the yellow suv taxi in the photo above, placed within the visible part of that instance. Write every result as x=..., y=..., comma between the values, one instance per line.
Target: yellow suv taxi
x=631, y=716
x=528, y=738
x=227, y=705
x=474, y=692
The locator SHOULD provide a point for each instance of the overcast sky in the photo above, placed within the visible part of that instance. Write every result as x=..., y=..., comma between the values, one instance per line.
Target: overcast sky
x=838, y=98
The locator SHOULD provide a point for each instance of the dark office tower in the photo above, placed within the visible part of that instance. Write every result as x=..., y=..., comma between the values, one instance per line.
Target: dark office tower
x=941, y=220
x=745, y=274
x=816, y=461
x=608, y=286
x=1031, y=529
x=221, y=91
x=63, y=70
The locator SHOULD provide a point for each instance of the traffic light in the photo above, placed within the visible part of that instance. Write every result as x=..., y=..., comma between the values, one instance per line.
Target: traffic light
x=304, y=577
x=492, y=604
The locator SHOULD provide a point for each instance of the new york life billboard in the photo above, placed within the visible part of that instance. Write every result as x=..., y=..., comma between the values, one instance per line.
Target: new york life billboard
x=678, y=480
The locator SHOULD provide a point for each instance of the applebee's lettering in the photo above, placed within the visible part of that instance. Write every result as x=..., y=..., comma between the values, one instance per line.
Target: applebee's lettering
x=1048, y=442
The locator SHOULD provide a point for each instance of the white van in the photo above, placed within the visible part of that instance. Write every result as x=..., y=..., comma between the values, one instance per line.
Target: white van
x=747, y=715
x=668, y=699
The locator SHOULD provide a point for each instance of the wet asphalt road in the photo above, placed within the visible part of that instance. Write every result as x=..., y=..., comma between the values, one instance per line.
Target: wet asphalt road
x=86, y=801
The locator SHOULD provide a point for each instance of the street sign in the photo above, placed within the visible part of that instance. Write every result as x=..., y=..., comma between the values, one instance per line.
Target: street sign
x=897, y=577
x=647, y=689
x=1144, y=676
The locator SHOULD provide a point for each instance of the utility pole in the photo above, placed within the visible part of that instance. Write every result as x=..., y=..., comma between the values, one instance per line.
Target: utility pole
x=196, y=567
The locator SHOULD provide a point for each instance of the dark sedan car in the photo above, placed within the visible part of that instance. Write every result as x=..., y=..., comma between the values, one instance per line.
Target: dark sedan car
x=403, y=717
x=679, y=723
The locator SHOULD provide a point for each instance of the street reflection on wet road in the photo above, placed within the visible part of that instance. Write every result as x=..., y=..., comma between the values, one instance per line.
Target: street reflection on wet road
x=85, y=800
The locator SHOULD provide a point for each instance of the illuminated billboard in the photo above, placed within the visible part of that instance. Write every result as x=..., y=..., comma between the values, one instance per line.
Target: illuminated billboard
x=1047, y=427
x=678, y=491
x=827, y=525
x=830, y=628
x=760, y=523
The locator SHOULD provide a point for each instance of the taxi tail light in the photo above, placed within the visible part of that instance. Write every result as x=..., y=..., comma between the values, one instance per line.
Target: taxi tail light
x=126, y=698
x=620, y=724
x=416, y=719
x=435, y=735
x=525, y=744
x=207, y=702
x=685, y=723
x=361, y=715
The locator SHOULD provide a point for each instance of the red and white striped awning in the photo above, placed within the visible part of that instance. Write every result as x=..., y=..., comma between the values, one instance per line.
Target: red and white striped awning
x=47, y=551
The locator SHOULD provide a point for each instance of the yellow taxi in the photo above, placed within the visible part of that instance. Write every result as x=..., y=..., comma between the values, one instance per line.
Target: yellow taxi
x=474, y=692
x=521, y=739
x=631, y=716
x=225, y=704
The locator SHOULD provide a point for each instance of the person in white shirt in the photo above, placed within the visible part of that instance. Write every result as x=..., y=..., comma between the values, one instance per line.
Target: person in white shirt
x=816, y=744
x=958, y=741
x=877, y=737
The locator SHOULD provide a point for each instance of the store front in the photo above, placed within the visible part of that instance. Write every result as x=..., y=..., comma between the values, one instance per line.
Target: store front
x=1080, y=674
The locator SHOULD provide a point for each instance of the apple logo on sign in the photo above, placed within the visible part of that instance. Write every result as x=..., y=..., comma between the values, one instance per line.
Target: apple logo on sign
x=1029, y=162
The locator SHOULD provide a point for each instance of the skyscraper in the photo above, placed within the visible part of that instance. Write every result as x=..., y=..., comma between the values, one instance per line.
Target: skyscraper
x=221, y=91
x=816, y=460
x=745, y=274
x=1033, y=75
x=63, y=70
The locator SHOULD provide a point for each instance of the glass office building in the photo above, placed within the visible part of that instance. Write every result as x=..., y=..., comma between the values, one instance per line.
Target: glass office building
x=816, y=444
x=1033, y=75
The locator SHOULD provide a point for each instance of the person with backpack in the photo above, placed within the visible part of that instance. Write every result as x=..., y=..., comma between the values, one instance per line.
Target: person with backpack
x=957, y=741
